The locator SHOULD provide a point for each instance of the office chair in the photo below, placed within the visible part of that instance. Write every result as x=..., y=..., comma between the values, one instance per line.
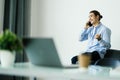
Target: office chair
x=108, y=62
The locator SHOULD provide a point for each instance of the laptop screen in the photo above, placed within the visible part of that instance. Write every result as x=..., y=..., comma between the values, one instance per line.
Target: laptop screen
x=41, y=51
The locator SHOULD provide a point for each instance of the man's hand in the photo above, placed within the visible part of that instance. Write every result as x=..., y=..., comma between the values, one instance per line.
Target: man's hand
x=98, y=37
x=87, y=25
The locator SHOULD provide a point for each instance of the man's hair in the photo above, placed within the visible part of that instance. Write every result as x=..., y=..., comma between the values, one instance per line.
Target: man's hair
x=95, y=12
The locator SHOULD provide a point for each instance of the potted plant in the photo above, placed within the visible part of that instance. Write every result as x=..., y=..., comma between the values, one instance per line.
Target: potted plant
x=9, y=45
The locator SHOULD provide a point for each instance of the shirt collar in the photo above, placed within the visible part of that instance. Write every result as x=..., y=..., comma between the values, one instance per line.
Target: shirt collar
x=98, y=25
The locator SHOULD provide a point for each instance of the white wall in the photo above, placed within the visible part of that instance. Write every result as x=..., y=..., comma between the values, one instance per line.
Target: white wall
x=1, y=14
x=64, y=19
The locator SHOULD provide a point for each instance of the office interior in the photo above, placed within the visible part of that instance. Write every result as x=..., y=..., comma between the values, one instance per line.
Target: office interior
x=61, y=20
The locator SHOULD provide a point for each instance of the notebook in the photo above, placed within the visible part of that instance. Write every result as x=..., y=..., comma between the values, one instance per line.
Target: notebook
x=43, y=52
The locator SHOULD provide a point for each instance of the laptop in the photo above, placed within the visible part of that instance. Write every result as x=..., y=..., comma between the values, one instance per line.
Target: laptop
x=43, y=52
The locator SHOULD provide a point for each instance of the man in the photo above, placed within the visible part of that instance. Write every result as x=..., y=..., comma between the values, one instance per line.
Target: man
x=98, y=37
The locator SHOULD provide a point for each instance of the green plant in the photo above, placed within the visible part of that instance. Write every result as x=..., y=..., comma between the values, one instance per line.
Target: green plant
x=9, y=41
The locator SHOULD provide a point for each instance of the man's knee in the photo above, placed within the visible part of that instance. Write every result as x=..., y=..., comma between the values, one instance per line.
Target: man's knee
x=74, y=59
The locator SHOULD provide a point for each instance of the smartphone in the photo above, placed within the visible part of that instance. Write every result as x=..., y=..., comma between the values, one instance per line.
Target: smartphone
x=89, y=23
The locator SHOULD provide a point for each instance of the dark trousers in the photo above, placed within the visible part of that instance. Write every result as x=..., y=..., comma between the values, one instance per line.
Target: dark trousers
x=94, y=57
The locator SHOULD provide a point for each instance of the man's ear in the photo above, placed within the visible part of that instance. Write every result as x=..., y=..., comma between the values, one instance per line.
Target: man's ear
x=97, y=17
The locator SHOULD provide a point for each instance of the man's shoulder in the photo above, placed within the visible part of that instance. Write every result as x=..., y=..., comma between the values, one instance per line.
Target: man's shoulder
x=104, y=27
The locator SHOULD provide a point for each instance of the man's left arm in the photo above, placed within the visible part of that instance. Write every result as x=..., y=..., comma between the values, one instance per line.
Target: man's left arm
x=104, y=40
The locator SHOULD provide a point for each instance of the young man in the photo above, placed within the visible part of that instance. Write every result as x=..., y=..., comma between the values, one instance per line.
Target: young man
x=98, y=37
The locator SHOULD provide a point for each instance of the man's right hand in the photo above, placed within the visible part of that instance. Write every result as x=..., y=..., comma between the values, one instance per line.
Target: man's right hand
x=87, y=25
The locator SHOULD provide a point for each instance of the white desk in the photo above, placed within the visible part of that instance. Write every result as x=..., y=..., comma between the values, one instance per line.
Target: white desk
x=29, y=70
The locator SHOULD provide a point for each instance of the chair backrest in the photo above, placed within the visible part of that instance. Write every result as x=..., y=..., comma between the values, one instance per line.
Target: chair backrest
x=108, y=62
x=112, y=53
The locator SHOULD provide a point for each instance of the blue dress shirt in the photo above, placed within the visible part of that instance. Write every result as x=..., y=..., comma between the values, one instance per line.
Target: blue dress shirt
x=93, y=44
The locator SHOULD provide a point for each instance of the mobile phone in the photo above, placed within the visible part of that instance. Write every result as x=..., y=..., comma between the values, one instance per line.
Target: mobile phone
x=89, y=23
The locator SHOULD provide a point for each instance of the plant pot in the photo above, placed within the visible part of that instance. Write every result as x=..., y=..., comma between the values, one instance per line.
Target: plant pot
x=7, y=58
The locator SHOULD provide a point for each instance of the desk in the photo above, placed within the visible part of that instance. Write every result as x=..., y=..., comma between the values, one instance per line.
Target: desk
x=29, y=70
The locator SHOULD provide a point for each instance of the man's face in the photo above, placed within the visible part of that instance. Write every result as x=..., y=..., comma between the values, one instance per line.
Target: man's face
x=93, y=19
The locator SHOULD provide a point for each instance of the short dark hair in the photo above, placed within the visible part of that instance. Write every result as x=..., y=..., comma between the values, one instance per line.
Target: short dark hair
x=95, y=12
